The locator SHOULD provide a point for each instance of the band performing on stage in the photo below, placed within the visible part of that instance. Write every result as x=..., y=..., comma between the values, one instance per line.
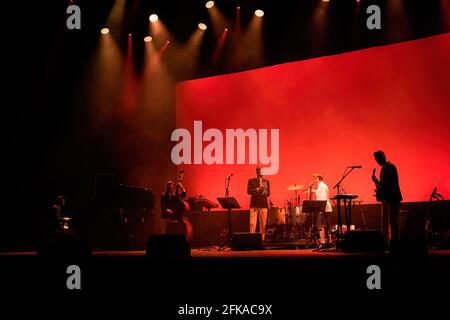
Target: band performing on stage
x=295, y=216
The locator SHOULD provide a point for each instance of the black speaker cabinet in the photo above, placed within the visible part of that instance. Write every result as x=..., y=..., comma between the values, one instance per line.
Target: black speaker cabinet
x=364, y=241
x=168, y=246
x=246, y=241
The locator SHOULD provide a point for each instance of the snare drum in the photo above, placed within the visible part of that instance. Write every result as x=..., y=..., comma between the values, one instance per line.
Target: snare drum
x=277, y=215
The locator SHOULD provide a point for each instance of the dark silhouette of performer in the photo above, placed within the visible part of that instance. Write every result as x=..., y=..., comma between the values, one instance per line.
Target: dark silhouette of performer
x=174, y=208
x=167, y=199
x=259, y=189
x=388, y=192
x=58, y=207
x=58, y=220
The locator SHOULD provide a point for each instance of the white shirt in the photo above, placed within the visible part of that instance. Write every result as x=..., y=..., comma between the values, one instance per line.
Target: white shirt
x=322, y=193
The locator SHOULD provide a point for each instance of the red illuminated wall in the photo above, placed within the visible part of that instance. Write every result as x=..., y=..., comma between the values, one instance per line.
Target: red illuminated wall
x=333, y=112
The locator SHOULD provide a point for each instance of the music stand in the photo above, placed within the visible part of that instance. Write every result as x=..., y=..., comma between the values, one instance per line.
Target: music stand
x=229, y=203
x=314, y=207
x=202, y=202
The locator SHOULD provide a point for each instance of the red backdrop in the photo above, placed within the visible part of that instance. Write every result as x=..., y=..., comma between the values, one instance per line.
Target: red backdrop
x=333, y=112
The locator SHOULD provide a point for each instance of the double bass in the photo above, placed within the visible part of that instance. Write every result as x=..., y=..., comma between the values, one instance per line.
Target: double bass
x=180, y=208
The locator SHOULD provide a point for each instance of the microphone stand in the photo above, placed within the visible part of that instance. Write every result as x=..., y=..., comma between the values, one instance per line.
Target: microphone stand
x=227, y=195
x=338, y=187
x=338, y=184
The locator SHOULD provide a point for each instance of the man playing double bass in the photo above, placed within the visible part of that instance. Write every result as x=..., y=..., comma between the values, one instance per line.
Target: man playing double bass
x=174, y=207
x=167, y=198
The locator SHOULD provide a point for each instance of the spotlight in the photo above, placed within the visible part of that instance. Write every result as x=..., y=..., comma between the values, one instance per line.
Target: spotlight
x=209, y=4
x=326, y=0
x=259, y=13
x=202, y=26
x=148, y=39
x=153, y=18
x=104, y=31
x=226, y=29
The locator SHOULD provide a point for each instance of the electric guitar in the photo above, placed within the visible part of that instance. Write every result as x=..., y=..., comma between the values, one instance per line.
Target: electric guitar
x=377, y=186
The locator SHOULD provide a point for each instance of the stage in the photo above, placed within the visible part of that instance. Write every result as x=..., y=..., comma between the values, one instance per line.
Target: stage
x=132, y=123
x=214, y=274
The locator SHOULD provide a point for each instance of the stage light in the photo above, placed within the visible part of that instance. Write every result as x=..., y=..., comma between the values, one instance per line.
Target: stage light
x=226, y=29
x=153, y=18
x=104, y=31
x=148, y=39
x=259, y=13
x=209, y=4
x=326, y=0
x=202, y=26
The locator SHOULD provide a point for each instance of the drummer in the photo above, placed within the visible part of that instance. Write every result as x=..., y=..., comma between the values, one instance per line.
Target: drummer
x=324, y=218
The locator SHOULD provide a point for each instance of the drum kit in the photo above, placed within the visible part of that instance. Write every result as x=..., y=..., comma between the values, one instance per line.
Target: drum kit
x=290, y=222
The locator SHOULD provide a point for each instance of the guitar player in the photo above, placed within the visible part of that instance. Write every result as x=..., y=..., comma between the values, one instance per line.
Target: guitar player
x=388, y=193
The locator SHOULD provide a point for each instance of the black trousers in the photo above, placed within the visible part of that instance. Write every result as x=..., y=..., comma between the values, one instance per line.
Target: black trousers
x=389, y=221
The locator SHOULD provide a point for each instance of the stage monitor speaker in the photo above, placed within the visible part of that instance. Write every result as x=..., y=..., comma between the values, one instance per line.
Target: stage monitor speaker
x=246, y=241
x=364, y=241
x=168, y=246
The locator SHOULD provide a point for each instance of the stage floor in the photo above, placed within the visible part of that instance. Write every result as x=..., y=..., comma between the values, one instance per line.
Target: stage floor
x=214, y=273
x=269, y=253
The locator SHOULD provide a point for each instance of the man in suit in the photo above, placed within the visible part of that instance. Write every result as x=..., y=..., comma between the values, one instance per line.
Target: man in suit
x=259, y=190
x=388, y=192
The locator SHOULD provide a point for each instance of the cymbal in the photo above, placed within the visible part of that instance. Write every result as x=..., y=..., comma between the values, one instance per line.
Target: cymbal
x=294, y=187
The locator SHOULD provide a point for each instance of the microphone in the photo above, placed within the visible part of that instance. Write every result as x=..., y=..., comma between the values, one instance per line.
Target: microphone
x=354, y=167
x=229, y=176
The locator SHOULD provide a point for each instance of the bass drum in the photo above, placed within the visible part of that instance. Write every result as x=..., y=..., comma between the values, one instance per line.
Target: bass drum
x=277, y=216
